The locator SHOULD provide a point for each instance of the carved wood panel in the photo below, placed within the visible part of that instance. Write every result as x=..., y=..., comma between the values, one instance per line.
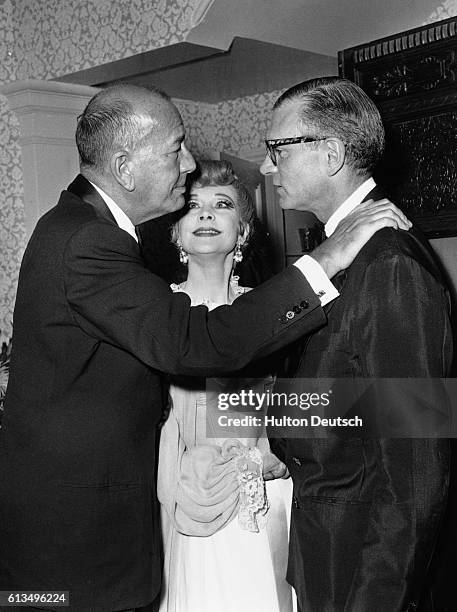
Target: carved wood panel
x=412, y=77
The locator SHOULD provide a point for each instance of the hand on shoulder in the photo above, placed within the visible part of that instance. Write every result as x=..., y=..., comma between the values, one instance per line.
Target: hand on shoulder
x=353, y=232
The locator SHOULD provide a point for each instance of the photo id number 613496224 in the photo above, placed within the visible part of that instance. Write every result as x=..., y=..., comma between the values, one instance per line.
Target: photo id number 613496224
x=36, y=599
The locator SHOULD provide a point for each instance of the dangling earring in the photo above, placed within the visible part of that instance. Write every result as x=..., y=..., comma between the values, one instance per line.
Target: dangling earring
x=183, y=256
x=238, y=255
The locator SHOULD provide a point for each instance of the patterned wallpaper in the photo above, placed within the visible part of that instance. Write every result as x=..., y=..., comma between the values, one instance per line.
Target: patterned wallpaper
x=62, y=36
x=446, y=9
x=243, y=122
x=7, y=42
x=232, y=126
x=200, y=122
x=12, y=232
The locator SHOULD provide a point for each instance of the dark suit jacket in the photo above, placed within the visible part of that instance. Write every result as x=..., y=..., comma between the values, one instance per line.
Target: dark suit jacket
x=366, y=512
x=93, y=329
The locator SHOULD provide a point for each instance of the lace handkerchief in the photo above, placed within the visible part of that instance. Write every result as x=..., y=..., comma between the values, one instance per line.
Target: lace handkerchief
x=253, y=500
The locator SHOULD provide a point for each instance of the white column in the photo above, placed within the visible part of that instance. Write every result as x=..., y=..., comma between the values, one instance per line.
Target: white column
x=47, y=113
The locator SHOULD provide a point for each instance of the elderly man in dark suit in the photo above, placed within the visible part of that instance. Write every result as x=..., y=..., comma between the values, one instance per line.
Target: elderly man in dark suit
x=365, y=512
x=93, y=329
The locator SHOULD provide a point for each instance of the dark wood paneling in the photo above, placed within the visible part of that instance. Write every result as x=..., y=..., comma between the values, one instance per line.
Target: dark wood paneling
x=412, y=77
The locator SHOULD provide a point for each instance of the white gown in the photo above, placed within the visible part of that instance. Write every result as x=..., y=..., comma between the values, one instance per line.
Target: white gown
x=231, y=569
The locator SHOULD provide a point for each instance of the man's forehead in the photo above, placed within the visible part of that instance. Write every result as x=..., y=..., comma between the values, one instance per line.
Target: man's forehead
x=171, y=134
x=285, y=121
x=165, y=126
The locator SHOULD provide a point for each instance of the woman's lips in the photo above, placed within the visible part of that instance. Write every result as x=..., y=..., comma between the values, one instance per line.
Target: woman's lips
x=206, y=231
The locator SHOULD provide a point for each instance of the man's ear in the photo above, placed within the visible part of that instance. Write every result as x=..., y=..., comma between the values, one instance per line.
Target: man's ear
x=122, y=171
x=335, y=152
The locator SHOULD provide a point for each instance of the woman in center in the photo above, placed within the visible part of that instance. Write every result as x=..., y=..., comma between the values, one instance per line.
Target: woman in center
x=225, y=501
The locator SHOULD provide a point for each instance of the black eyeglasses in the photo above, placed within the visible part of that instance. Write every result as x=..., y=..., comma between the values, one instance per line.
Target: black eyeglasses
x=272, y=145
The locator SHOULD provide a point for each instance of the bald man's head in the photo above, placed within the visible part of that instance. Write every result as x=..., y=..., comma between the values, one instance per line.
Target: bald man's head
x=131, y=145
x=121, y=117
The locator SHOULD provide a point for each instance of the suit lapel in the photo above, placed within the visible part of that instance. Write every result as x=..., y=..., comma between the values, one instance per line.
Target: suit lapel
x=82, y=188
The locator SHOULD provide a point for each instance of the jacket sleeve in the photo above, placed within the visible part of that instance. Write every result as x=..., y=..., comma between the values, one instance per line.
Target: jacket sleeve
x=404, y=328
x=113, y=297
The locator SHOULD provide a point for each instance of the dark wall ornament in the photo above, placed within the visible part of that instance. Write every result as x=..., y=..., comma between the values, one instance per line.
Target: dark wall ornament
x=412, y=77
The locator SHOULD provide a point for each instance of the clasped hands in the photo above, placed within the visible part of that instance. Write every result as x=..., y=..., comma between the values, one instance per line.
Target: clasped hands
x=212, y=468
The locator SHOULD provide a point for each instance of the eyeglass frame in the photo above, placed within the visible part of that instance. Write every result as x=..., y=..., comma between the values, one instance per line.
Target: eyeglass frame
x=272, y=145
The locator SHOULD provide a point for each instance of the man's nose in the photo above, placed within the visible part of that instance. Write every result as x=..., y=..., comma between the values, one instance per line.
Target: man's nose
x=268, y=166
x=187, y=163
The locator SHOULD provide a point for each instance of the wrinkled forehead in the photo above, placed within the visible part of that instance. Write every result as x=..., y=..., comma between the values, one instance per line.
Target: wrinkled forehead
x=285, y=121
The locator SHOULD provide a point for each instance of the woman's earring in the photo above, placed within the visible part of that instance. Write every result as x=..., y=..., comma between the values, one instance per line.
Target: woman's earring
x=183, y=256
x=238, y=255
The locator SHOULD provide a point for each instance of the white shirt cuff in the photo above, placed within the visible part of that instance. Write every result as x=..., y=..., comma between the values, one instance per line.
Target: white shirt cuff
x=317, y=278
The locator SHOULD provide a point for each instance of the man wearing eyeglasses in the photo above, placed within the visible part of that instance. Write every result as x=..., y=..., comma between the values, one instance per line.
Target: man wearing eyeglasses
x=366, y=512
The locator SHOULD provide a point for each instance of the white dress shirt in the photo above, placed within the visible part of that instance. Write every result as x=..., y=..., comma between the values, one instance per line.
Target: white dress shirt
x=348, y=205
x=119, y=215
x=317, y=278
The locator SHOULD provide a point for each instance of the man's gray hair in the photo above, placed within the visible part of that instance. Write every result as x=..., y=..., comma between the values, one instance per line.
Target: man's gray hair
x=109, y=123
x=333, y=106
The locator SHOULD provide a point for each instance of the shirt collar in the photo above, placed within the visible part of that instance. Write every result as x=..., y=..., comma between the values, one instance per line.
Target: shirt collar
x=119, y=215
x=348, y=205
